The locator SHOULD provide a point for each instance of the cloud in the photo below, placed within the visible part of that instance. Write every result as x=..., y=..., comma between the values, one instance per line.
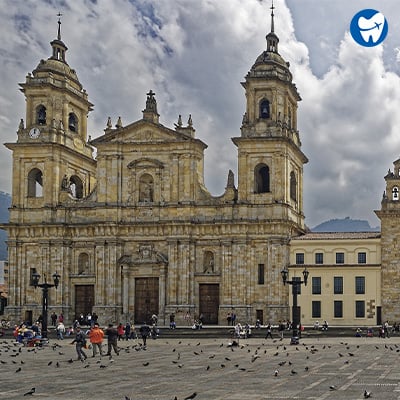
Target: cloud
x=350, y=127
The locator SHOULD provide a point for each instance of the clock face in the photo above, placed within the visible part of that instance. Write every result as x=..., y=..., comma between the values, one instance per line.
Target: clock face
x=34, y=133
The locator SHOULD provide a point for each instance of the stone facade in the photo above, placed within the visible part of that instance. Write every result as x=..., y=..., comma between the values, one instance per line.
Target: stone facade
x=133, y=230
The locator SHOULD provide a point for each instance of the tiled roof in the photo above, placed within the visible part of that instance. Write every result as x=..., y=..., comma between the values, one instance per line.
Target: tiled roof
x=338, y=235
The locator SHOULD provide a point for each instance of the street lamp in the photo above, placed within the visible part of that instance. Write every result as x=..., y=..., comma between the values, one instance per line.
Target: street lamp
x=45, y=287
x=296, y=283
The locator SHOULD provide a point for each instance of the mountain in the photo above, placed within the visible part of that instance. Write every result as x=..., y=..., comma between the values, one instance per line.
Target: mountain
x=5, y=202
x=345, y=225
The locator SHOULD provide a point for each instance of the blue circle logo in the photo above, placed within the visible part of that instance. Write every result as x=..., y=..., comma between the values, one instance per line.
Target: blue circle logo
x=369, y=27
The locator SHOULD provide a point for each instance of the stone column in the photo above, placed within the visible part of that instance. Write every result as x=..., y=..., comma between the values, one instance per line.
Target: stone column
x=162, y=286
x=125, y=290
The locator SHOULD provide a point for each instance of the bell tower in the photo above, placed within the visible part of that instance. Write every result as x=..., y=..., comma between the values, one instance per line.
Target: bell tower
x=52, y=161
x=389, y=215
x=270, y=160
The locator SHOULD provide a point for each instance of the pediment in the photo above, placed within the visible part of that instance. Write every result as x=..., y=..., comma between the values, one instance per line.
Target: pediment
x=141, y=132
x=146, y=162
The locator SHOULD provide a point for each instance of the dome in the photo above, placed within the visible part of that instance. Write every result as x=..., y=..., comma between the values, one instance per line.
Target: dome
x=56, y=67
x=268, y=57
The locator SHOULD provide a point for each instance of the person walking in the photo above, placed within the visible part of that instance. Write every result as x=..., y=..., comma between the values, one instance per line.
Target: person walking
x=281, y=329
x=120, y=330
x=269, y=331
x=127, y=330
x=112, y=338
x=80, y=342
x=144, y=332
x=96, y=336
x=60, y=331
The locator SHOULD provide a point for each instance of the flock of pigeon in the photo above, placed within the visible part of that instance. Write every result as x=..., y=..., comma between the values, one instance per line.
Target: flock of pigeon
x=278, y=356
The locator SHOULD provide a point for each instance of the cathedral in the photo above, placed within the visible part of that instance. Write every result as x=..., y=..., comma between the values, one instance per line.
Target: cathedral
x=131, y=228
x=128, y=226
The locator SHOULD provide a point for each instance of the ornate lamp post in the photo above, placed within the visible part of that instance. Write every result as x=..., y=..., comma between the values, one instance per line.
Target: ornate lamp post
x=45, y=298
x=296, y=283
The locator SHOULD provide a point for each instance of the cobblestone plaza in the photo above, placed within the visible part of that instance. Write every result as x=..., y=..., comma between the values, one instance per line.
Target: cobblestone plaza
x=325, y=368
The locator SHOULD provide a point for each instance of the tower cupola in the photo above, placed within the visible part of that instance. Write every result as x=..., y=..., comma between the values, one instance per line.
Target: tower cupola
x=272, y=38
x=58, y=46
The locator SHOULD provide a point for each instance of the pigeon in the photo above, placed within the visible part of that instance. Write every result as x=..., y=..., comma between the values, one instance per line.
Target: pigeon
x=192, y=396
x=332, y=387
x=145, y=364
x=19, y=369
x=49, y=363
x=254, y=357
x=276, y=372
x=293, y=372
x=30, y=393
x=367, y=395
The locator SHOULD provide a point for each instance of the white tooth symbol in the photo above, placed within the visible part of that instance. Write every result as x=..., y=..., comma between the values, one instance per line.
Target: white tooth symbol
x=371, y=27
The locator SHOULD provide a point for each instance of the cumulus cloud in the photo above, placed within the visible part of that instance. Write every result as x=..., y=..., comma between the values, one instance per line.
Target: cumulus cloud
x=194, y=54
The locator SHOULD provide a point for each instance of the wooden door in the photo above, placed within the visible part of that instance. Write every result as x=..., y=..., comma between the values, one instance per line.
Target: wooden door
x=260, y=316
x=84, y=299
x=209, y=303
x=146, y=299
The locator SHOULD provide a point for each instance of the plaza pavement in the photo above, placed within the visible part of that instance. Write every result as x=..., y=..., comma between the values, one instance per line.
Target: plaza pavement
x=317, y=368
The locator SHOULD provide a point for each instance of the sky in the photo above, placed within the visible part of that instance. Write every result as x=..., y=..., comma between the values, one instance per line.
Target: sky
x=194, y=53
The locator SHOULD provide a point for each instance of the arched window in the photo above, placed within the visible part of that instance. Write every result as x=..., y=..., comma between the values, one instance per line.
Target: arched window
x=76, y=186
x=146, y=188
x=264, y=109
x=72, y=122
x=293, y=186
x=395, y=193
x=83, y=263
x=35, y=183
x=261, y=179
x=41, y=115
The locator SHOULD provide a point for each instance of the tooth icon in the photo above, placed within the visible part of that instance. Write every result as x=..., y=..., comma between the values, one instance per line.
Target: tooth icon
x=371, y=27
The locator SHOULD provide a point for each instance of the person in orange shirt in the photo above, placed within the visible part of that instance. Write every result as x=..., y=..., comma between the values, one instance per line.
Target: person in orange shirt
x=96, y=336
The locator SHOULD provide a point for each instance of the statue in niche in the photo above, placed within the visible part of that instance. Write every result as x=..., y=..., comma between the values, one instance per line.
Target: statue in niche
x=208, y=267
x=65, y=183
x=147, y=193
x=146, y=189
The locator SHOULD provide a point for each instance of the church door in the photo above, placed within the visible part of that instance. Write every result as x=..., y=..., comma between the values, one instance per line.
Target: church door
x=84, y=299
x=146, y=299
x=209, y=303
